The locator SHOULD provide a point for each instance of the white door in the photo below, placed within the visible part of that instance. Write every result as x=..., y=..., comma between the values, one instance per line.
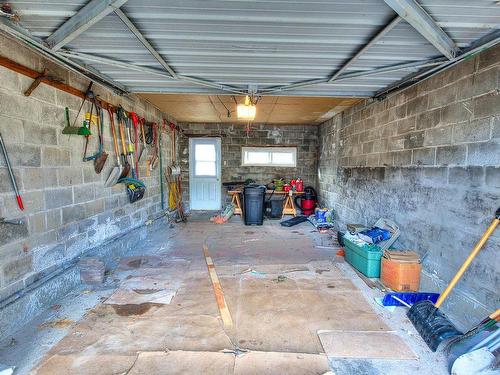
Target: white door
x=204, y=173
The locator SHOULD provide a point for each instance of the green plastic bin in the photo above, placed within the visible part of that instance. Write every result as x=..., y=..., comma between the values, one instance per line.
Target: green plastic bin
x=365, y=258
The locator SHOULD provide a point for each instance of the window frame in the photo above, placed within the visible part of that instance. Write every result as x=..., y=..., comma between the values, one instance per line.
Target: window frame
x=269, y=149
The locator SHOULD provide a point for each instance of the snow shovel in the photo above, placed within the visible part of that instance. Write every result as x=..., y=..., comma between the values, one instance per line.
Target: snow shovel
x=117, y=170
x=431, y=323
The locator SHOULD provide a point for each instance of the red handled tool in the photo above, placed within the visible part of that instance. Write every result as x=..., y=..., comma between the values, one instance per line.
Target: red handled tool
x=135, y=122
x=11, y=173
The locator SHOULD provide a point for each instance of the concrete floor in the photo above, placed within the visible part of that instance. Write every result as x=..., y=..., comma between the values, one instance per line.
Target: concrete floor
x=282, y=286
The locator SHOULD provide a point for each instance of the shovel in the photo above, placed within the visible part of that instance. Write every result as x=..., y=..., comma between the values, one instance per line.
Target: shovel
x=101, y=156
x=117, y=170
x=135, y=148
x=431, y=323
x=126, y=165
x=130, y=148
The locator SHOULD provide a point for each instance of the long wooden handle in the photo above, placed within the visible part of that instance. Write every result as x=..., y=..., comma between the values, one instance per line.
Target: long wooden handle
x=495, y=315
x=113, y=134
x=143, y=135
x=122, y=136
x=468, y=261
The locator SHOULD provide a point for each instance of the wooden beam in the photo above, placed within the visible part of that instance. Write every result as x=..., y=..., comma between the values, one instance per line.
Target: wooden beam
x=219, y=293
x=28, y=72
x=36, y=82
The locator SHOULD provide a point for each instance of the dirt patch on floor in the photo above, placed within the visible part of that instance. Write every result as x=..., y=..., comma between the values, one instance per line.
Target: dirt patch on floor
x=146, y=291
x=58, y=323
x=136, y=263
x=130, y=309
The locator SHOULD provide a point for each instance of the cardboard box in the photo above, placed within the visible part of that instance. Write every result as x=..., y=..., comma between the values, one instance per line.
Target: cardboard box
x=400, y=270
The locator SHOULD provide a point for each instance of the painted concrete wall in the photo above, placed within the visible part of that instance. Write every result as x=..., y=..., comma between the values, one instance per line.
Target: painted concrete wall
x=68, y=209
x=428, y=158
x=234, y=136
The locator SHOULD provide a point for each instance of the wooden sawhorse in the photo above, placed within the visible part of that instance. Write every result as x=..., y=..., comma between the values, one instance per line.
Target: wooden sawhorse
x=235, y=199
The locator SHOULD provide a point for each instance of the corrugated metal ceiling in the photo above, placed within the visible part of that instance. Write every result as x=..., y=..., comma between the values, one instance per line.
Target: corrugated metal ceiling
x=263, y=43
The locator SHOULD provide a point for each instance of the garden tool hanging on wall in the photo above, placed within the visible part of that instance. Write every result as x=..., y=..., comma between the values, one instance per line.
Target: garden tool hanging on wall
x=152, y=139
x=175, y=170
x=143, y=138
x=90, y=119
x=11, y=174
x=130, y=146
x=120, y=113
x=77, y=130
x=135, y=188
x=117, y=170
x=82, y=130
x=100, y=156
x=135, y=150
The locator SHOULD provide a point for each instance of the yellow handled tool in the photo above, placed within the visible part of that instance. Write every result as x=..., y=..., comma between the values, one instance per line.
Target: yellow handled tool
x=432, y=324
x=469, y=259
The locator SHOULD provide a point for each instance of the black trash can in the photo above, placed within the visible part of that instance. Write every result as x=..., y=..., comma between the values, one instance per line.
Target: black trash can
x=253, y=197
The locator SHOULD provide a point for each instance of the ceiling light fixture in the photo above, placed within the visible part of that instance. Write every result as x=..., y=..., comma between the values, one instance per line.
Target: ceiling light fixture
x=246, y=111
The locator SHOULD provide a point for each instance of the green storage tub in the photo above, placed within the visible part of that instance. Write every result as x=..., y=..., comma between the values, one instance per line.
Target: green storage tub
x=365, y=258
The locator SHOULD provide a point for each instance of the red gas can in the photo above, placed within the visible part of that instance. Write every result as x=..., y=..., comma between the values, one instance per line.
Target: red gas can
x=299, y=185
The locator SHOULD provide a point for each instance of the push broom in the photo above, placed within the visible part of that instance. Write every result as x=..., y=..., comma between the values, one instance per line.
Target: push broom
x=430, y=322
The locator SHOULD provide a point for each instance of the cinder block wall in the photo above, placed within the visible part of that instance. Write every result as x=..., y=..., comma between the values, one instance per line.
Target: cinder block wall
x=428, y=158
x=234, y=136
x=68, y=209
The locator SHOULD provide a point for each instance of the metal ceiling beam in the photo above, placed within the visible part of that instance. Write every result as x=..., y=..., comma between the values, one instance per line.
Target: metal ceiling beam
x=120, y=64
x=91, y=13
x=146, y=69
x=21, y=34
x=477, y=47
x=421, y=21
x=410, y=66
x=212, y=91
x=372, y=41
x=414, y=65
x=145, y=42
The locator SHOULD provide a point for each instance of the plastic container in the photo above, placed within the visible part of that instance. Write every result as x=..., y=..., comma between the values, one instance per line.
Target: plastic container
x=401, y=271
x=253, y=197
x=276, y=208
x=392, y=227
x=362, y=256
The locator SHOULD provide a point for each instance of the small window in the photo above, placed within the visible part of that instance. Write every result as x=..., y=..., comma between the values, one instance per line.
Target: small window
x=269, y=156
x=205, y=160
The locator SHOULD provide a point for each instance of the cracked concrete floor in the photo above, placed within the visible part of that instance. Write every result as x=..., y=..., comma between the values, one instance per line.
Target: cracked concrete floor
x=280, y=289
